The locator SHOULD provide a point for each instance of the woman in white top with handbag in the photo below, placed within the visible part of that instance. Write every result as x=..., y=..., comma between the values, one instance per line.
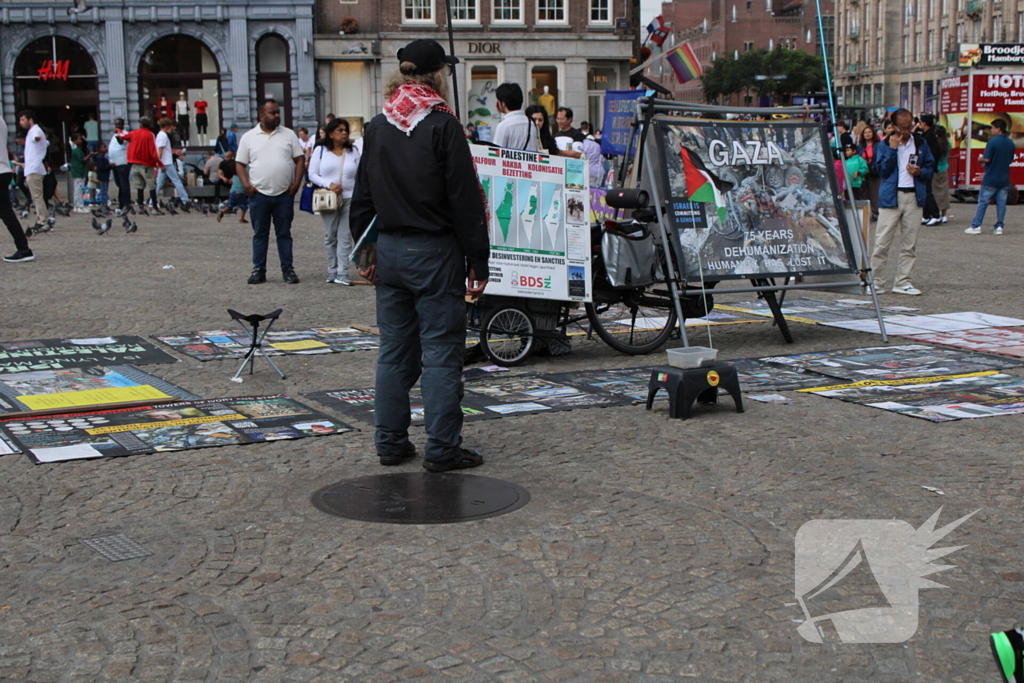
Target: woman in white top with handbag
x=332, y=168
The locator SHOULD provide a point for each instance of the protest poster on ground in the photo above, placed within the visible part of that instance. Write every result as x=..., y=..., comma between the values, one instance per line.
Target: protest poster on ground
x=892, y=362
x=937, y=399
x=1006, y=341
x=633, y=383
x=169, y=427
x=359, y=404
x=752, y=199
x=805, y=310
x=228, y=344
x=57, y=354
x=486, y=398
x=87, y=386
x=539, y=223
x=757, y=375
x=628, y=383
x=534, y=393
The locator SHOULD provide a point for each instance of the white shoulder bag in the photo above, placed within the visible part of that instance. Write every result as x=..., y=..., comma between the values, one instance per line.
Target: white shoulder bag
x=326, y=200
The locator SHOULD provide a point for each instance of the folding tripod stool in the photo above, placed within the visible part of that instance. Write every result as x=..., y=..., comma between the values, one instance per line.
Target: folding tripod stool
x=256, y=340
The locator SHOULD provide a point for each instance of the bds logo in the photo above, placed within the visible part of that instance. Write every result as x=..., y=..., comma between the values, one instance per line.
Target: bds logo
x=530, y=281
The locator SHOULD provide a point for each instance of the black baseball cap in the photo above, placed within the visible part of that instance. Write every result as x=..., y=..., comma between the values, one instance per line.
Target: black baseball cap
x=427, y=55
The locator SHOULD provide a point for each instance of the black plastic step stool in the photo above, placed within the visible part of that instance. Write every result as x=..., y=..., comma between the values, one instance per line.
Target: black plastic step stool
x=686, y=385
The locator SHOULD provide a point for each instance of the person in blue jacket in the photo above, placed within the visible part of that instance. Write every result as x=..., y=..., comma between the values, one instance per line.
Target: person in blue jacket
x=996, y=159
x=905, y=165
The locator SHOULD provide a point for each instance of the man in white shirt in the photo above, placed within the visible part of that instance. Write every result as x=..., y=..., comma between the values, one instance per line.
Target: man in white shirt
x=905, y=164
x=515, y=131
x=163, y=149
x=307, y=142
x=568, y=139
x=270, y=164
x=117, y=152
x=35, y=165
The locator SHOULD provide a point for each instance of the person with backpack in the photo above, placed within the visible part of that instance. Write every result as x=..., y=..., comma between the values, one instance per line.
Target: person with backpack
x=906, y=165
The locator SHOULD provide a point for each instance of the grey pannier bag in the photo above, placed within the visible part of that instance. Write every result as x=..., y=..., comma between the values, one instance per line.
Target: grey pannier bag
x=630, y=261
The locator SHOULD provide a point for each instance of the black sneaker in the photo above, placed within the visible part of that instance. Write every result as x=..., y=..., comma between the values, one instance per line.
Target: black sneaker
x=463, y=459
x=258, y=275
x=290, y=277
x=20, y=256
x=390, y=460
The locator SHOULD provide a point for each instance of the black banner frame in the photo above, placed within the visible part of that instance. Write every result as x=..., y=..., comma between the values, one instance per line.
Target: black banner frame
x=647, y=109
x=661, y=151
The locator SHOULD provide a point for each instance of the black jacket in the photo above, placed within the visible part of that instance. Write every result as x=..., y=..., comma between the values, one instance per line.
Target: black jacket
x=932, y=139
x=425, y=182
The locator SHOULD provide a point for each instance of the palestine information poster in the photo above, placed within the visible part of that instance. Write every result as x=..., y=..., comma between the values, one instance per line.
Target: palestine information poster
x=539, y=223
x=57, y=354
x=169, y=427
x=230, y=344
x=938, y=399
x=753, y=200
x=75, y=387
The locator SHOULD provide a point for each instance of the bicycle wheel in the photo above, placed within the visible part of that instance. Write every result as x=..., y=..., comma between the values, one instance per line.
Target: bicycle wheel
x=631, y=326
x=507, y=335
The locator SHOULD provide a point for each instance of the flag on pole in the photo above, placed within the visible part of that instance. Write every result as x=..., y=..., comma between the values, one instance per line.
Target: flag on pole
x=685, y=63
x=701, y=184
x=658, y=30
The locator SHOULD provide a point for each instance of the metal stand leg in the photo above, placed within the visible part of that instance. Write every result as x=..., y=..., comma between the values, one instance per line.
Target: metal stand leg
x=256, y=348
x=773, y=304
x=670, y=273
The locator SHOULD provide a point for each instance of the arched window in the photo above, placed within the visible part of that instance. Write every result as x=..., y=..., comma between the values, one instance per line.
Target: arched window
x=56, y=78
x=273, y=78
x=179, y=78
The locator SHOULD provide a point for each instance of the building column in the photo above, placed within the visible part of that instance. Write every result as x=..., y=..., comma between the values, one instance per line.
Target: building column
x=574, y=95
x=515, y=72
x=116, y=74
x=305, y=104
x=238, y=65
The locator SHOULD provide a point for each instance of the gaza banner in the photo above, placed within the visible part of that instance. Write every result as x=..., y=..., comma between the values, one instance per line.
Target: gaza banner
x=539, y=208
x=753, y=200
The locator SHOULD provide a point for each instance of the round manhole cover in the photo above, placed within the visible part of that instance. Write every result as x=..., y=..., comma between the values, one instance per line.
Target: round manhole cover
x=420, y=498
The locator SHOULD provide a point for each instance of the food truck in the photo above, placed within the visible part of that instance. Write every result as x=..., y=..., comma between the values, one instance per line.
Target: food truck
x=988, y=85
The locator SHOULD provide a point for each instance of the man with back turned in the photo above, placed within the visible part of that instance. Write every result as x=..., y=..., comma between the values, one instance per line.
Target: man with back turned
x=417, y=176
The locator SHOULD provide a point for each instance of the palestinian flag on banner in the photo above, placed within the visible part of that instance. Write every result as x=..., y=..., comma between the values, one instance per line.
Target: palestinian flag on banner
x=701, y=184
x=543, y=159
x=494, y=153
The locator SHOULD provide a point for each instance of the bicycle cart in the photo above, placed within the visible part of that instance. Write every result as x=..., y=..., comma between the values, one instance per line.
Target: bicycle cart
x=633, y=315
x=514, y=328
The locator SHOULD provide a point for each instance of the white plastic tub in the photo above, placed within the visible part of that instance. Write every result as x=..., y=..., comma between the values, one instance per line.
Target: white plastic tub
x=691, y=357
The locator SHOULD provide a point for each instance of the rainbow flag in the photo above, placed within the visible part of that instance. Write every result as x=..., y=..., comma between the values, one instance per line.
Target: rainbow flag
x=685, y=63
x=702, y=185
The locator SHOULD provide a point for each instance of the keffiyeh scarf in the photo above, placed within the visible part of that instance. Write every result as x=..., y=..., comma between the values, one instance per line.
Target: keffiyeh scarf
x=411, y=103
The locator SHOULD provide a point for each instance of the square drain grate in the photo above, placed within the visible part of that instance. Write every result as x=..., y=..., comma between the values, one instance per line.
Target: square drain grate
x=116, y=547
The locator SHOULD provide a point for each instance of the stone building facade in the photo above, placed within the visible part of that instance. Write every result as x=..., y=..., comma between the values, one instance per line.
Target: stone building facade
x=576, y=48
x=118, y=57
x=895, y=52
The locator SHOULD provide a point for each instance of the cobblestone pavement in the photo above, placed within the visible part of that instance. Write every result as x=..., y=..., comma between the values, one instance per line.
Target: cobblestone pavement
x=652, y=550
